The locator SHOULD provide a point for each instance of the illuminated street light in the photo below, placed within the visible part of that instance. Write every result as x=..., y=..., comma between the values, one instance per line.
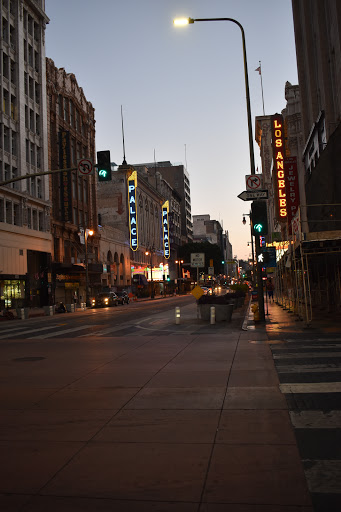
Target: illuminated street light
x=150, y=251
x=88, y=232
x=179, y=262
x=183, y=22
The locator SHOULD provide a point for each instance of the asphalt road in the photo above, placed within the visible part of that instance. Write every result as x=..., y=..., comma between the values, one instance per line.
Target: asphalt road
x=124, y=319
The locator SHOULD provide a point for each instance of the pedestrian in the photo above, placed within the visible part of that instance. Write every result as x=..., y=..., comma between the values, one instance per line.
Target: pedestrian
x=270, y=289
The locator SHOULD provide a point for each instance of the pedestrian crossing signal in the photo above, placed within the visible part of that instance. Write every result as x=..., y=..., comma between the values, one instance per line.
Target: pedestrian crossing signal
x=103, y=166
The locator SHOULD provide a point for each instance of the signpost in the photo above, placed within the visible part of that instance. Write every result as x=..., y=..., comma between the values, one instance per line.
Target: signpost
x=253, y=182
x=248, y=195
x=197, y=261
x=85, y=167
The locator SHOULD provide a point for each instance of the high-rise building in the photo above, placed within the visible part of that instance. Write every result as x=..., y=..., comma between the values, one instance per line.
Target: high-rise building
x=178, y=178
x=25, y=247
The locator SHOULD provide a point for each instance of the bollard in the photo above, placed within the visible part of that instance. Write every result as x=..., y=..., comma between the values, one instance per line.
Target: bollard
x=177, y=315
x=22, y=314
x=212, y=315
x=51, y=310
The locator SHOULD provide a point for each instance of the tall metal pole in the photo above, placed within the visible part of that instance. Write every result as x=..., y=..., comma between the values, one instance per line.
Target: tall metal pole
x=87, y=299
x=151, y=273
x=252, y=157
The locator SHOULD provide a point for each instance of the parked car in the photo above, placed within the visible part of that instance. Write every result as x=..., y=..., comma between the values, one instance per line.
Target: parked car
x=105, y=299
x=123, y=297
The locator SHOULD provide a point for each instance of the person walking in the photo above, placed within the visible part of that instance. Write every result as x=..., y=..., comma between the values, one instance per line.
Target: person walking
x=270, y=290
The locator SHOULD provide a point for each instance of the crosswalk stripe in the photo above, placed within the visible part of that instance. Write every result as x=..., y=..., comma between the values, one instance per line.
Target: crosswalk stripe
x=9, y=335
x=316, y=419
x=59, y=333
x=311, y=387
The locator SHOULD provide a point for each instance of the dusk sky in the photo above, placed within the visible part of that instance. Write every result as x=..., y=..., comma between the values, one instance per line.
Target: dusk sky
x=182, y=90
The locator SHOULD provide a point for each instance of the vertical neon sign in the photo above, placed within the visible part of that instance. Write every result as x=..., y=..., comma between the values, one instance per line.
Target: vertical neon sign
x=278, y=156
x=132, y=184
x=165, y=229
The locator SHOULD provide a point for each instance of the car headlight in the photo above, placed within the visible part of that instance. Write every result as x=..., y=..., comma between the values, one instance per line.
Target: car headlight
x=106, y=301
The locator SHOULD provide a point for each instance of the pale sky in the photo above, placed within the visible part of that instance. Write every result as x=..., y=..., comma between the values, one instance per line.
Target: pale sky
x=182, y=90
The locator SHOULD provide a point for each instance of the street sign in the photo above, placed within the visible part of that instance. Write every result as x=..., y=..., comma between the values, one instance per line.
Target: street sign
x=211, y=271
x=197, y=292
x=247, y=195
x=197, y=259
x=85, y=167
x=253, y=182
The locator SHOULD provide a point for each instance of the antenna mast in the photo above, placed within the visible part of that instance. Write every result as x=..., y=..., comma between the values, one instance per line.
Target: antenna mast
x=124, y=149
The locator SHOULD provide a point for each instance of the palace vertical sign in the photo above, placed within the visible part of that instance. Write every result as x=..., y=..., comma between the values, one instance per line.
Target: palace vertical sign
x=278, y=170
x=165, y=229
x=132, y=184
x=65, y=176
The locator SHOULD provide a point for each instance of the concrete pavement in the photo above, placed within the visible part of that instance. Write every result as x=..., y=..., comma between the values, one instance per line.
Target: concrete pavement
x=163, y=422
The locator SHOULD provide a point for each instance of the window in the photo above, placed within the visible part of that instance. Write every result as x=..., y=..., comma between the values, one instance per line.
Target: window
x=6, y=102
x=13, y=71
x=65, y=109
x=26, y=83
x=16, y=214
x=85, y=192
x=74, y=191
x=35, y=219
x=79, y=189
x=13, y=107
x=72, y=117
x=14, y=143
x=39, y=188
x=36, y=32
x=30, y=55
x=5, y=65
x=2, y=212
x=31, y=120
x=37, y=124
x=33, y=188
x=30, y=25
x=8, y=212
x=36, y=61
x=37, y=93
x=31, y=88
x=27, y=150
x=60, y=105
x=6, y=139
x=29, y=218
x=41, y=221
x=32, y=157
x=39, y=158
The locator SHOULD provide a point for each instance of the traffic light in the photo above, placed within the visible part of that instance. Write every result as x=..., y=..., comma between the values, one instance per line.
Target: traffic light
x=259, y=218
x=103, y=166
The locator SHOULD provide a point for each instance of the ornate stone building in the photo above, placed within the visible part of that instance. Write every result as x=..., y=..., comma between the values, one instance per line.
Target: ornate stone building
x=71, y=135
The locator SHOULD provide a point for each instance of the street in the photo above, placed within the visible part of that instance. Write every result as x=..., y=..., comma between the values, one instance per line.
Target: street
x=121, y=409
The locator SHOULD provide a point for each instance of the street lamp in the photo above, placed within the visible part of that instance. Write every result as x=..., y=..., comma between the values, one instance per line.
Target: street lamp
x=88, y=232
x=179, y=262
x=253, y=256
x=150, y=251
x=186, y=21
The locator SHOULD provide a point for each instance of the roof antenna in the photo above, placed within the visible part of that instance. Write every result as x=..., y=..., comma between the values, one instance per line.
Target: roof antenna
x=124, y=149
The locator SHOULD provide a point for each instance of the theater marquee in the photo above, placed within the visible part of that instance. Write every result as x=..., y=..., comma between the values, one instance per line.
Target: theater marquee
x=132, y=184
x=165, y=229
x=278, y=170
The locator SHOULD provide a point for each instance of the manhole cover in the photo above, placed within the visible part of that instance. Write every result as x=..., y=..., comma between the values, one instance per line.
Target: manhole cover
x=24, y=359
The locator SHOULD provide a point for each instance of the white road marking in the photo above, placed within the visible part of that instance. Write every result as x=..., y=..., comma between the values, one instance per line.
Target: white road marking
x=316, y=419
x=28, y=331
x=311, y=387
x=59, y=333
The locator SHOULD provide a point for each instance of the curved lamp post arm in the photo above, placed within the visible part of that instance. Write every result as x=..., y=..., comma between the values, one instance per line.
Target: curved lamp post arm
x=247, y=90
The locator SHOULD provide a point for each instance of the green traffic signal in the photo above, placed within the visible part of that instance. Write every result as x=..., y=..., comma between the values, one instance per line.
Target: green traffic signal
x=103, y=165
x=259, y=217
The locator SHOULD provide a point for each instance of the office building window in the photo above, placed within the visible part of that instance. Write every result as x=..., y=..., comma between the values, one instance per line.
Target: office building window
x=16, y=214
x=8, y=212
